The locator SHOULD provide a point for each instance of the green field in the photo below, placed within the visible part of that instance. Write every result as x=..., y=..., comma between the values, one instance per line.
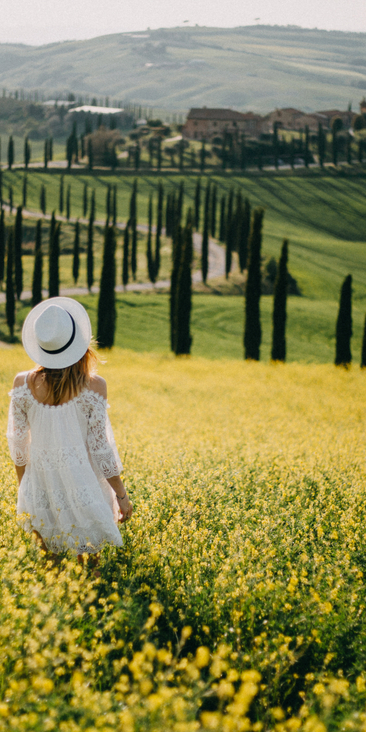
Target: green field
x=323, y=215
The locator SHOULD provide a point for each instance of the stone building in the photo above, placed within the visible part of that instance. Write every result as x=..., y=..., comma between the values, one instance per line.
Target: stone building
x=206, y=123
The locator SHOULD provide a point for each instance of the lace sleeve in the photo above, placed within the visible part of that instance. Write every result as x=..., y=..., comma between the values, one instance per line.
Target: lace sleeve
x=18, y=432
x=101, y=443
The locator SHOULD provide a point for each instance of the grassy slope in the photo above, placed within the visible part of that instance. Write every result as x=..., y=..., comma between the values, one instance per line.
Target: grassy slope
x=322, y=215
x=267, y=67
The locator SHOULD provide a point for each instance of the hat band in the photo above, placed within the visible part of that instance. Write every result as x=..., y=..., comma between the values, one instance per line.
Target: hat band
x=60, y=350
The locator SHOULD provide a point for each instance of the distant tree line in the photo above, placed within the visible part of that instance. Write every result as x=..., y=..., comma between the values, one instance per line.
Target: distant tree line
x=96, y=147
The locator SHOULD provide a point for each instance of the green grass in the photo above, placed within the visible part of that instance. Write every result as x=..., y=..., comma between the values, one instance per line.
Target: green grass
x=322, y=214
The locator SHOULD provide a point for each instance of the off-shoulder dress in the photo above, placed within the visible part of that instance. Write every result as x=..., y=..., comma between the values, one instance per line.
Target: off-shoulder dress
x=68, y=451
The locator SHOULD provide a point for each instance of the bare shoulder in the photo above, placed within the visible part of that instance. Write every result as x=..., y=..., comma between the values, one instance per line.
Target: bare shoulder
x=99, y=385
x=20, y=379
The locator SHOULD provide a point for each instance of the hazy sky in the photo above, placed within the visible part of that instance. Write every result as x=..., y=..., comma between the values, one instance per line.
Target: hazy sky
x=45, y=21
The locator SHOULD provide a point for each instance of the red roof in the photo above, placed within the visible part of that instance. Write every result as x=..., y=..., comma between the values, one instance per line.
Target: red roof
x=228, y=115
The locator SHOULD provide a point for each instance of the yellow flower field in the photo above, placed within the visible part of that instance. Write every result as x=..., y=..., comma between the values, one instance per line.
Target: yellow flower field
x=238, y=600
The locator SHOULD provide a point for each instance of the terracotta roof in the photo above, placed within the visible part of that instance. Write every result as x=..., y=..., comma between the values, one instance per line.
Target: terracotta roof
x=216, y=114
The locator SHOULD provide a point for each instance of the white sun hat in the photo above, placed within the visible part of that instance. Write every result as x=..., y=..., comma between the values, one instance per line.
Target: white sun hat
x=57, y=332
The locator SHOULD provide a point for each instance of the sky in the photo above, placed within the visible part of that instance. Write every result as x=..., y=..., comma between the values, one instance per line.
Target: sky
x=38, y=22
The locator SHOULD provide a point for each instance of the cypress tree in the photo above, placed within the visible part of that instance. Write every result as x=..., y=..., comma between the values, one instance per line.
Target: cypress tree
x=133, y=224
x=151, y=152
x=42, y=199
x=61, y=195
x=2, y=246
x=53, y=265
x=114, y=205
x=10, y=297
x=68, y=202
x=279, y=308
x=363, y=351
x=137, y=155
x=222, y=230
x=343, y=355
x=292, y=153
x=275, y=144
x=306, y=155
x=27, y=152
x=11, y=198
x=260, y=165
x=90, y=253
x=45, y=154
x=335, y=143
x=252, y=328
x=10, y=152
x=159, y=156
x=85, y=200
x=168, y=215
x=205, y=236
x=360, y=150
x=349, y=149
x=237, y=222
x=224, y=151
x=107, y=313
x=125, y=255
x=69, y=151
x=38, y=266
x=180, y=202
x=243, y=153
x=18, y=236
x=25, y=181
x=181, y=155
x=229, y=234
x=108, y=203
x=197, y=204
x=90, y=154
x=183, y=295
x=159, y=226
x=202, y=157
x=213, y=211
x=173, y=286
x=1, y=186
x=244, y=234
x=321, y=144
x=150, y=263
x=76, y=254
x=50, y=148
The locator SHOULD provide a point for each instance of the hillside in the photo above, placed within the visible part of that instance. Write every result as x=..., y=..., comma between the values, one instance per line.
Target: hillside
x=252, y=67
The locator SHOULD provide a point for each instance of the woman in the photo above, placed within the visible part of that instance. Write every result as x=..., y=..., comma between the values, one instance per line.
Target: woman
x=60, y=436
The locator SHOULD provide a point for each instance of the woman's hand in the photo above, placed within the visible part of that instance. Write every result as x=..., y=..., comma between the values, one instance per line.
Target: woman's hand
x=124, y=502
x=126, y=508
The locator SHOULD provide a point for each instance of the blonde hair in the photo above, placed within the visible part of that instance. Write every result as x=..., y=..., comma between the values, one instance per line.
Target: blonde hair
x=67, y=383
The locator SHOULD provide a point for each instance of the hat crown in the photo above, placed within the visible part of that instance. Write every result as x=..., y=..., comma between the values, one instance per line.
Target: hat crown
x=53, y=328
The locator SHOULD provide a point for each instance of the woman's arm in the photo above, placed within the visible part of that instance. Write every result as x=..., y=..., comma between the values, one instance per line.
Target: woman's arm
x=20, y=472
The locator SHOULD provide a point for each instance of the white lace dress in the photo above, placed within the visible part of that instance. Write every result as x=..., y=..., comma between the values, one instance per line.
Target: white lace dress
x=69, y=451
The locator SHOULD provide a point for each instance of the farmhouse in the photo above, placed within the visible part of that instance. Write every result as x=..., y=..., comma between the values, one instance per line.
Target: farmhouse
x=284, y=118
x=206, y=123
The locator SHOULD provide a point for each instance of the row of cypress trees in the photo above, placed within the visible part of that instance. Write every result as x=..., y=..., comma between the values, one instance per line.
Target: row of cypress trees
x=344, y=329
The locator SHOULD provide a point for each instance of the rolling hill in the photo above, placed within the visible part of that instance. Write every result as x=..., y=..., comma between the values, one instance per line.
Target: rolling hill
x=251, y=67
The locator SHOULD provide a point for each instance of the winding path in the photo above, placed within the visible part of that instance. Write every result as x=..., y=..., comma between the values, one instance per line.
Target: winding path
x=216, y=262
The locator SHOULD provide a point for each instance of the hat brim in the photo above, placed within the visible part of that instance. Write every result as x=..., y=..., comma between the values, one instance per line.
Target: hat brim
x=78, y=347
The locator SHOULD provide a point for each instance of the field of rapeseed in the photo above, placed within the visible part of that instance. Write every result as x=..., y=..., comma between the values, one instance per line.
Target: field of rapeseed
x=238, y=600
